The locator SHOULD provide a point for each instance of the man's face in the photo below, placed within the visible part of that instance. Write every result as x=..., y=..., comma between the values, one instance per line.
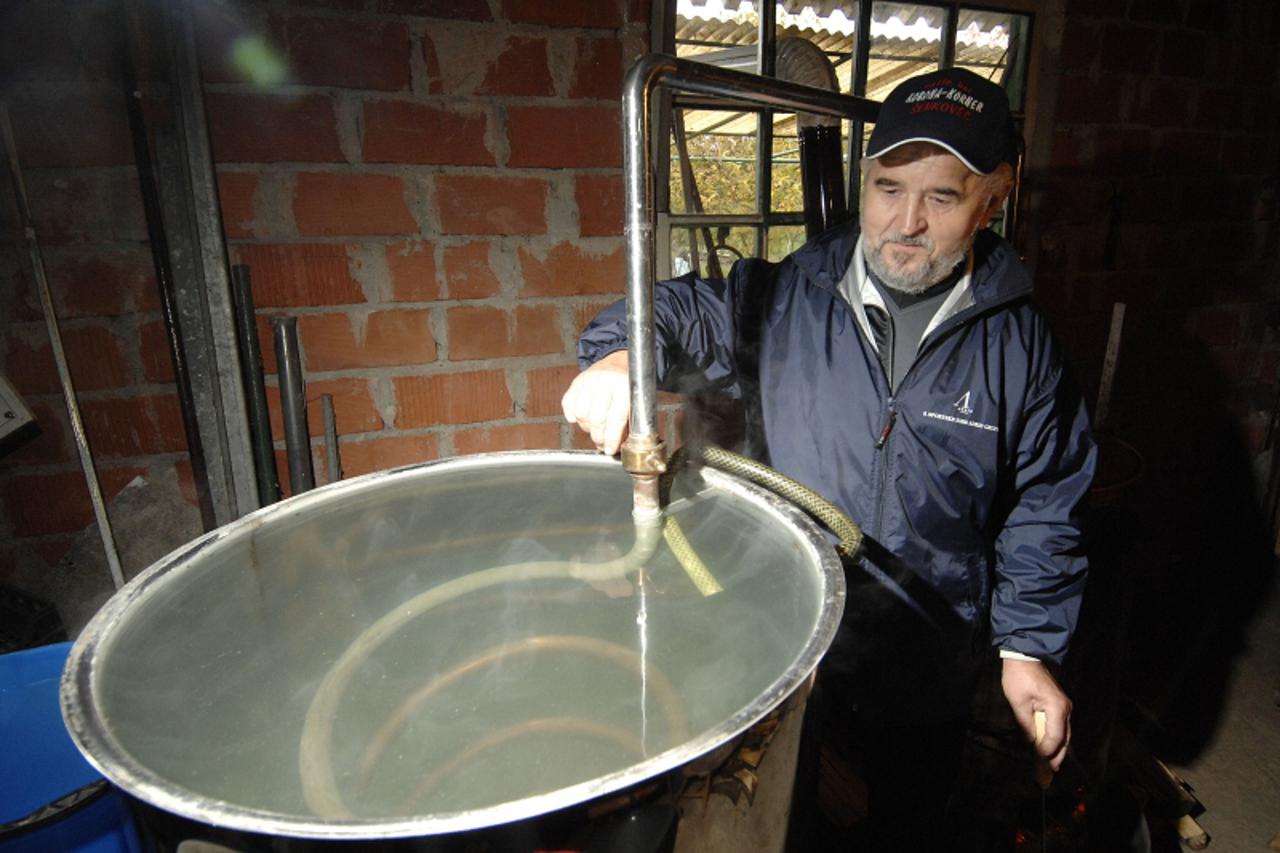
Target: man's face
x=921, y=207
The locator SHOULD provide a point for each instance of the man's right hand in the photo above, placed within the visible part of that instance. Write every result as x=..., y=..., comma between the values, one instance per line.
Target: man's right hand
x=1030, y=687
x=599, y=401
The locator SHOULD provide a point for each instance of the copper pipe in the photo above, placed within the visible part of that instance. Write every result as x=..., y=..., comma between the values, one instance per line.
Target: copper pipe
x=545, y=725
x=667, y=696
x=315, y=766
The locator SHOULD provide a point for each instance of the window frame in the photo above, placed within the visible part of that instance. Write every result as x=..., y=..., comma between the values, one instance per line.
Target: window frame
x=763, y=218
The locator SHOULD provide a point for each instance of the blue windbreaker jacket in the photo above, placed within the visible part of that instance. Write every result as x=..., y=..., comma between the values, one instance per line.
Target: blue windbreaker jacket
x=970, y=474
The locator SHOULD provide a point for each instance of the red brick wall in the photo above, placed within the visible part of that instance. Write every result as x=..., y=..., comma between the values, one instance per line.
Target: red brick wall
x=433, y=188
x=1161, y=193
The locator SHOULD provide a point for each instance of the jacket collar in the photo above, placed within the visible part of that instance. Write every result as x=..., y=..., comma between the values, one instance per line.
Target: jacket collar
x=859, y=291
x=993, y=276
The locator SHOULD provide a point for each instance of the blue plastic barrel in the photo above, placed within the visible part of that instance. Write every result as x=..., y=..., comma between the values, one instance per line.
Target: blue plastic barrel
x=48, y=797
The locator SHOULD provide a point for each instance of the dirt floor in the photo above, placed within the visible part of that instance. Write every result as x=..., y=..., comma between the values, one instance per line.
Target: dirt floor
x=1237, y=776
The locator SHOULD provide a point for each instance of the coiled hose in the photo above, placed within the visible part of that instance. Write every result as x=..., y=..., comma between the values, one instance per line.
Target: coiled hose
x=319, y=779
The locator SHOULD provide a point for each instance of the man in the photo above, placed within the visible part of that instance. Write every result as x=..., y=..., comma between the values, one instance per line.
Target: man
x=900, y=370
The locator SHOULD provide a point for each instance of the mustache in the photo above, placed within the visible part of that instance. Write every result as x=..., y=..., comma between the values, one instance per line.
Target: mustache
x=920, y=240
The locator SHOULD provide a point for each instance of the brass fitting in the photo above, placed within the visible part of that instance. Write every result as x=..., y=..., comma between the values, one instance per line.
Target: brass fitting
x=644, y=457
x=644, y=454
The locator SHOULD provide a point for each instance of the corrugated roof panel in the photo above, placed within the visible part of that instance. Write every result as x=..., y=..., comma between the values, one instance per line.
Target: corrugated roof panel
x=906, y=40
x=704, y=20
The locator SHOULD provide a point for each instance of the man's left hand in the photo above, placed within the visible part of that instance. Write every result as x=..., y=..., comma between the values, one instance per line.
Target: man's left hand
x=1029, y=687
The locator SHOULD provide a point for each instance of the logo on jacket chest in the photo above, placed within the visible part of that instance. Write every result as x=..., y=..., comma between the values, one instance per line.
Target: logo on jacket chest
x=961, y=414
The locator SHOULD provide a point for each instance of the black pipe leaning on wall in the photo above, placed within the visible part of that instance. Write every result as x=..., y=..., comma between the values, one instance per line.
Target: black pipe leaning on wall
x=159, y=243
x=822, y=178
x=255, y=389
x=293, y=402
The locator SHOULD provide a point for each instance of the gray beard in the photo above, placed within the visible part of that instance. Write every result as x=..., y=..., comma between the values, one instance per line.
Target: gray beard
x=926, y=276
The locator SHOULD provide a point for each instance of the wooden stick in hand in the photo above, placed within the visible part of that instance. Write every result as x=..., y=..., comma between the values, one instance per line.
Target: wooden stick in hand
x=1044, y=770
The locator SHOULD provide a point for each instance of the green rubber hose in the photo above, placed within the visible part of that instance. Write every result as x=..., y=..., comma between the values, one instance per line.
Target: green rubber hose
x=845, y=528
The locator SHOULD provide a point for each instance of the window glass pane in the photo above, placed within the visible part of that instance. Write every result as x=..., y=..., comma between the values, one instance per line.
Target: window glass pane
x=787, y=194
x=906, y=40
x=730, y=244
x=720, y=144
x=784, y=239
x=830, y=26
x=724, y=32
x=681, y=260
x=721, y=162
x=994, y=45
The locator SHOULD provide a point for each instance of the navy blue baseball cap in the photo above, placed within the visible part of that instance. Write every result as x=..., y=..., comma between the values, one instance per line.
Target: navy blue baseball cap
x=964, y=113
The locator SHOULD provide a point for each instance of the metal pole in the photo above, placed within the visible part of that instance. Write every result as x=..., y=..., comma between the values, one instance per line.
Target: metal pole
x=331, y=439
x=227, y=440
x=861, y=66
x=765, y=64
x=255, y=390
x=1103, y=409
x=159, y=243
x=950, y=18
x=293, y=402
x=642, y=453
x=59, y=354
x=821, y=178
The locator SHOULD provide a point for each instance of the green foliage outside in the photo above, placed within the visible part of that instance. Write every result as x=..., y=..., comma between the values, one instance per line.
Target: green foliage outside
x=724, y=170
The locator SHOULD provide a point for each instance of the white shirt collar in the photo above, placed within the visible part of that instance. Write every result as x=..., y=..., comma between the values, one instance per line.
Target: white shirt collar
x=859, y=291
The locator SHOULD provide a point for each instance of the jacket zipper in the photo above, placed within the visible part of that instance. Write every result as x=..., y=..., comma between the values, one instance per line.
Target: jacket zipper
x=888, y=427
x=950, y=324
x=882, y=445
x=882, y=441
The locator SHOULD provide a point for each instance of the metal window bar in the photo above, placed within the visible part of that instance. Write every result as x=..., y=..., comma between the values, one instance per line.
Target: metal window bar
x=949, y=23
x=767, y=67
x=861, y=64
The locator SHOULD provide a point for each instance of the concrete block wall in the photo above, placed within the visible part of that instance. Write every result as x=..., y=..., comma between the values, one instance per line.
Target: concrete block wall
x=433, y=187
